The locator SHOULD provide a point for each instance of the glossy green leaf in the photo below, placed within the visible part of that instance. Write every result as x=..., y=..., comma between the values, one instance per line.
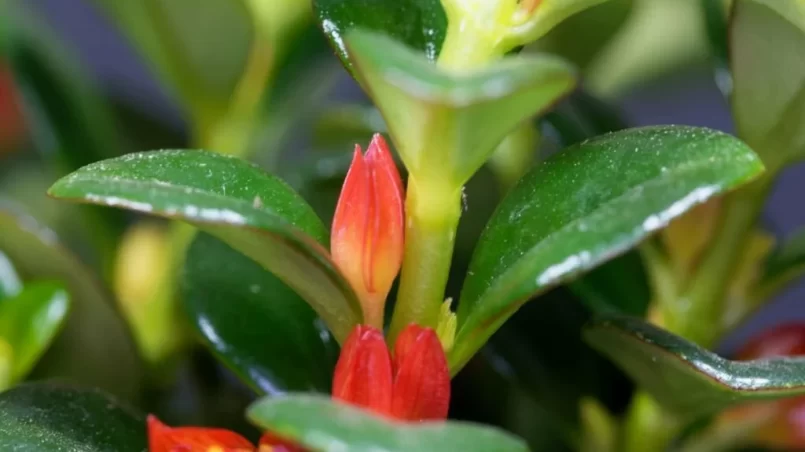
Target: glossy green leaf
x=585, y=206
x=200, y=48
x=327, y=426
x=252, y=211
x=254, y=323
x=687, y=379
x=94, y=332
x=46, y=417
x=471, y=112
x=769, y=104
x=420, y=24
x=30, y=321
x=10, y=283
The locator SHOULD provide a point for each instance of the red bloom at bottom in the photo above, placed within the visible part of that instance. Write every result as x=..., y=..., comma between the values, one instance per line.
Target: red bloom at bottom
x=413, y=386
x=162, y=438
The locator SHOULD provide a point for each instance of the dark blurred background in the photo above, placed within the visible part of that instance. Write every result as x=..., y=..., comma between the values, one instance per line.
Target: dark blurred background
x=655, y=88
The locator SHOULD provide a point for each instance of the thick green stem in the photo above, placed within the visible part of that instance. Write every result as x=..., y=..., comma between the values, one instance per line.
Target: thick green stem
x=432, y=214
x=467, y=47
x=706, y=294
x=648, y=427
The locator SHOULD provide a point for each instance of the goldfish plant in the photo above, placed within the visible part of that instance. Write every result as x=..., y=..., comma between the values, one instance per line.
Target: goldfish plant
x=448, y=288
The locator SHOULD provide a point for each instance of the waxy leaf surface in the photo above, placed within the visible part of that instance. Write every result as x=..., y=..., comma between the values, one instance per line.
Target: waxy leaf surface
x=685, y=378
x=585, y=206
x=253, y=322
x=94, y=332
x=30, y=321
x=327, y=426
x=44, y=417
x=420, y=24
x=252, y=211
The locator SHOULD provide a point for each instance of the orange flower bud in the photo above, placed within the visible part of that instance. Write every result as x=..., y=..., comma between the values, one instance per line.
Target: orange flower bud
x=272, y=443
x=363, y=372
x=422, y=379
x=162, y=438
x=368, y=227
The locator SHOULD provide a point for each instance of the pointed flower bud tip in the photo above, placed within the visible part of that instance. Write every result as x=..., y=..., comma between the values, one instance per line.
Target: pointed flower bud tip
x=162, y=438
x=368, y=227
x=422, y=379
x=363, y=372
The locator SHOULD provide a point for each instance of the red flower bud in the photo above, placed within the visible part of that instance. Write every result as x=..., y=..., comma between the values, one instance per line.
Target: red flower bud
x=363, y=372
x=272, y=443
x=368, y=227
x=162, y=438
x=422, y=379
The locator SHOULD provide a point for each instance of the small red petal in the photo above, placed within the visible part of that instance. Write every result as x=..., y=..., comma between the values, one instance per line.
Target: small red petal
x=363, y=372
x=422, y=379
x=273, y=443
x=162, y=438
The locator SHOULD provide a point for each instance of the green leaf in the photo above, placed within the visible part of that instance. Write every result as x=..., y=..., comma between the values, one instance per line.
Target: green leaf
x=785, y=265
x=585, y=206
x=201, y=49
x=46, y=417
x=10, y=283
x=327, y=426
x=472, y=112
x=30, y=321
x=67, y=114
x=687, y=379
x=71, y=123
x=252, y=211
x=768, y=99
x=420, y=24
x=254, y=323
x=94, y=332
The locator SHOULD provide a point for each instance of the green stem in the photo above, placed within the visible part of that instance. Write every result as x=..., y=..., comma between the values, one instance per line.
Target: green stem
x=648, y=427
x=705, y=297
x=432, y=215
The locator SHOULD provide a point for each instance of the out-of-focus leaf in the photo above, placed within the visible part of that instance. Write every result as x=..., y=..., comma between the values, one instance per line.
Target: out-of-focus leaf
x=553, y=227
x=45, y=417
x=10, y=283
x=200, y=48
x=716, y=13
x=252, y=211
x=768, y=72
x=328, y=426
x=420, y=24
x=581, y=37
x=30, y=321
x=94, y=333
x=687, y=379
x=254, y=323
x=784, y=266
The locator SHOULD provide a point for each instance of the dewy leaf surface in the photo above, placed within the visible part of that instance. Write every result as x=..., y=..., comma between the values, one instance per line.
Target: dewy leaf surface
x=585, y=206
x=249, y=209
